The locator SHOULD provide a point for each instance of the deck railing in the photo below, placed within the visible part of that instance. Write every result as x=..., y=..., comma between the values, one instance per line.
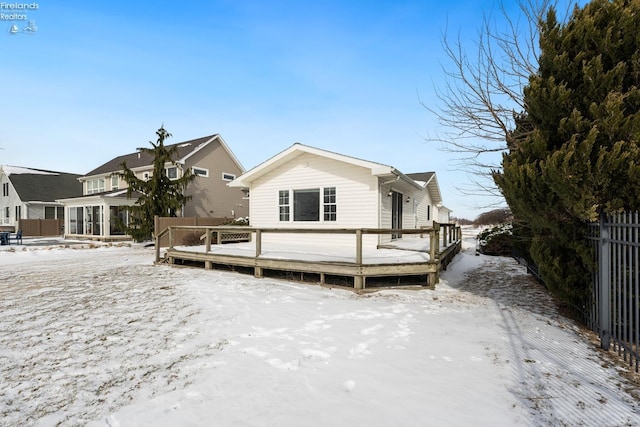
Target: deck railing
x=444, y=240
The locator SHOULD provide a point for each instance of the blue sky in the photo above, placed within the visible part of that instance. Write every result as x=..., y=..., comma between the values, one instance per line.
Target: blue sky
x=98, y=78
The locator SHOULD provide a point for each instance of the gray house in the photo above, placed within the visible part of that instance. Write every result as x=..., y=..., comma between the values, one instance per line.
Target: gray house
x=101, y=206
x=33, y=193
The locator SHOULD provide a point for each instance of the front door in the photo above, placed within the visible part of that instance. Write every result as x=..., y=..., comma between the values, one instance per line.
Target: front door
x=396, y=213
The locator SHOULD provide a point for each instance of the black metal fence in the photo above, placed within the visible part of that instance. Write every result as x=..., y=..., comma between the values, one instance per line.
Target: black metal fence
x=613, y=308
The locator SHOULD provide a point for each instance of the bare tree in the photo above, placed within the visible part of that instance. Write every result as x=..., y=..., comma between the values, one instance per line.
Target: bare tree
x=483, y=93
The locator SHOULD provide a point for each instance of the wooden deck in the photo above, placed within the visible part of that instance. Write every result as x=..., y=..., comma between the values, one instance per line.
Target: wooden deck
x=386, y=265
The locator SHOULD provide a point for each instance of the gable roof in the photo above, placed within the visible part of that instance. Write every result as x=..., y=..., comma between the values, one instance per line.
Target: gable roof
x=420, y=180
x=297, y=149
x=431, y=182
x=38, y=185
x=141, y=159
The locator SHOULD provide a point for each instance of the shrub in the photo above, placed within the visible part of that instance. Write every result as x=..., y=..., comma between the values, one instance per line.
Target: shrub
x=497, y=241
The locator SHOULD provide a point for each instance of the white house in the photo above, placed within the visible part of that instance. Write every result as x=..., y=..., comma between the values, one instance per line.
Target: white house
x=29, y=193
x=307, y=187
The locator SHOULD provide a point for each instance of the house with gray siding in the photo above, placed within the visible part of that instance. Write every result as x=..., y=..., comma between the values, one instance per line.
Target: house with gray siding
x=101, y=208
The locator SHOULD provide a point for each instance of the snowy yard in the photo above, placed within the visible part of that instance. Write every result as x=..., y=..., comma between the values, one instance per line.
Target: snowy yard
x=102, y=337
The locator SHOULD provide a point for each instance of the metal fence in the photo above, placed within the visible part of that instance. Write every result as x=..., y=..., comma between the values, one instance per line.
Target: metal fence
x=613, y=304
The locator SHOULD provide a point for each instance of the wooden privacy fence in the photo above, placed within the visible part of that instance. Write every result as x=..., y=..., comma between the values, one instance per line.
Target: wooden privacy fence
x=186, y=236
x=439, y=255
x=41, y=227
x=612, y=307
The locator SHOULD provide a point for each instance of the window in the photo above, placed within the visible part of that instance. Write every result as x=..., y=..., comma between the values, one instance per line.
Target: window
x=6, y=212
x=95, y=186
x=428, y=212
x=329, y=205
x=49, y=212
x=306, y=205
x=228, y=176
x=201, y=172
x=283, y=205
x=114, y=182
x=18, y=212
x=145, y=176
x=5, y=189
x=172, y=172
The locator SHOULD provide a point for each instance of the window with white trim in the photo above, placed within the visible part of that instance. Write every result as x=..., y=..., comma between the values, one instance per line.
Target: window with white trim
x=171, y=172
x=284, y=207
x=5, y=189
x=114, y=182
x=228, y=176
x=95, y=185
x=200, y=172
x=329, y=204
x=309, y=204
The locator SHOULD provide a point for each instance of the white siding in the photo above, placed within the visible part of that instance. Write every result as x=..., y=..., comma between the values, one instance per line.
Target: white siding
x=356, y=197
x=414, y=211
x=10, y=201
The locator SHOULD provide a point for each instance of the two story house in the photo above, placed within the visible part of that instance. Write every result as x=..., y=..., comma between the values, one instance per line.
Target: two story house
x=102, y=208
x=29, y=193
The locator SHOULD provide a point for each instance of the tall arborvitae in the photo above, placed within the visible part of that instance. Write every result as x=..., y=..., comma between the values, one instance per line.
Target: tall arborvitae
x=575, y=151
x=158, y=195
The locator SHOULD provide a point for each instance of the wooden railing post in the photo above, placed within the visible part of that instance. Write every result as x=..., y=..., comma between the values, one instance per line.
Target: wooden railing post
x=257, y=270
x=207, y=240
x=445, y=234
x=358, y=280
x=157, y=248
x=359, y=247
x=258, y=242
x=170, y=237
x=434, y=242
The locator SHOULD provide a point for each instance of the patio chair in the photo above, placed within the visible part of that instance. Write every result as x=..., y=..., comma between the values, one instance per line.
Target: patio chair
x=4, y=238
x=18, y=238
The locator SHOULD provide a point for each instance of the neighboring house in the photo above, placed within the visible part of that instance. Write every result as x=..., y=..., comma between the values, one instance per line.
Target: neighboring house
x=32, y=193
x=102, y=208
x=307, y=187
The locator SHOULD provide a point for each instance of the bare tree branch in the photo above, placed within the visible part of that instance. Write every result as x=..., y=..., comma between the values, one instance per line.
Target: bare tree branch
x=483, y=94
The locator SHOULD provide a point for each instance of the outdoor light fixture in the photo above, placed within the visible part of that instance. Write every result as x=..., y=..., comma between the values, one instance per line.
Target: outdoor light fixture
x=390, y=193
x=408, y=199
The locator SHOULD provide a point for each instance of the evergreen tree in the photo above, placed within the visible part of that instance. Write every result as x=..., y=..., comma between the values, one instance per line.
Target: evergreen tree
x=158, y=195
x=574, y=151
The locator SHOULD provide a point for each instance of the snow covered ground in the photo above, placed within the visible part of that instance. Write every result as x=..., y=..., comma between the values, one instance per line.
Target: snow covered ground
x=100, y=336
